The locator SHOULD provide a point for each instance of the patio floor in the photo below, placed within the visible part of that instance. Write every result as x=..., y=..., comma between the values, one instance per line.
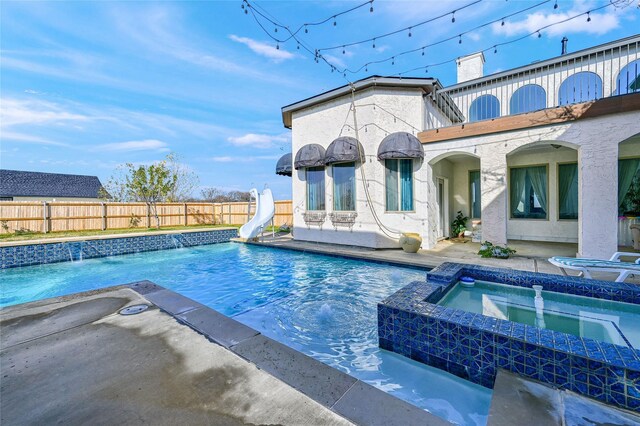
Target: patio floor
x=530, y=255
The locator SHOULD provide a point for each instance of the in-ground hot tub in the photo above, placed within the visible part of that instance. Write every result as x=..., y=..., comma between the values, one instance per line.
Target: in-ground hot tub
x=582, y=339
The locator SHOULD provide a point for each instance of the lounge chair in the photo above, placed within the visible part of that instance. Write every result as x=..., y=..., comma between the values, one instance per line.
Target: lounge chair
x=584, y=265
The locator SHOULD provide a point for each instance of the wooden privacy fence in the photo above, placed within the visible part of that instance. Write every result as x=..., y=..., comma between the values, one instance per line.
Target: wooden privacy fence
x=56, y=216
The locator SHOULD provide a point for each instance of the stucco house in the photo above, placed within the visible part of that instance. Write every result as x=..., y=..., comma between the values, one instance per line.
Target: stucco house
x=545, y=152
x=16, y=185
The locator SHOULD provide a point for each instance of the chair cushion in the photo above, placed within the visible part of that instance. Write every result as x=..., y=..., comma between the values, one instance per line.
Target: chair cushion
x=595, y=263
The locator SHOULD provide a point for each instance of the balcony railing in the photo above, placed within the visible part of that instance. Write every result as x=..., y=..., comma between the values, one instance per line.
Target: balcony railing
x=609, y=70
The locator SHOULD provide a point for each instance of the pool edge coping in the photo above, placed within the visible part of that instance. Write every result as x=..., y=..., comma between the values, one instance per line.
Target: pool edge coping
x=57, y=240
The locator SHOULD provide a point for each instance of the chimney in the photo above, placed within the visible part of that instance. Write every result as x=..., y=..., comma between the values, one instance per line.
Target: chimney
x=470, y=67
x=564, y=45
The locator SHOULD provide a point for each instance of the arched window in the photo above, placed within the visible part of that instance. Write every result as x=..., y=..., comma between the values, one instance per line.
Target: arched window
x=531, y=97
x=484, y=107
x=582, y=86
x=628, y=80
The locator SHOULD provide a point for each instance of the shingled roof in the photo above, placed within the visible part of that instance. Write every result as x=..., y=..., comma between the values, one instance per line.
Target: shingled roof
x=15, y=183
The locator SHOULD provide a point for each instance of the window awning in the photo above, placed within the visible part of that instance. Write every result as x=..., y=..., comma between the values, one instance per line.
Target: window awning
x=311, y=155
x=283, y=167
x=343, y=150
x=400, y=145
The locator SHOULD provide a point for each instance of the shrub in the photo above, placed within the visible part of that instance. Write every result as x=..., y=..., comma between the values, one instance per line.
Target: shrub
x=488, y=249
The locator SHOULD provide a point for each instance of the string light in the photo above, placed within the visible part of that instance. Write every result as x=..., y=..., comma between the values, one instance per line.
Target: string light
x=409, y=32
x=539, y=35
x=589, y=16
x=495, y=49
x=343, y=51
x=460, y=39
x=334, y=21
x=275, y=30
x=277, y=46
x=374, y=43
x=306, y=30
x=393, y=61
x=423, y=51
x=371, y=8
x=555, y=6
x=453, y=16
x=502, y=24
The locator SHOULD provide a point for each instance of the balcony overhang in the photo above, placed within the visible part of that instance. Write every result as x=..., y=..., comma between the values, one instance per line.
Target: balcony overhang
x=545, y=117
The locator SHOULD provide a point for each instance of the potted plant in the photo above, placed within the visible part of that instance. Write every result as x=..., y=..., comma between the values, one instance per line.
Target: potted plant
x=459, y=225
x=488, y=249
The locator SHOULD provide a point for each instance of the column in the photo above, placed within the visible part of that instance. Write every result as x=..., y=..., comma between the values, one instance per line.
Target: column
x=493, y=188
x=598, y=200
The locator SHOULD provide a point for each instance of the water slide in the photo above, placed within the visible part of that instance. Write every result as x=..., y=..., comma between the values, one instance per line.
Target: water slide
x=265, y=209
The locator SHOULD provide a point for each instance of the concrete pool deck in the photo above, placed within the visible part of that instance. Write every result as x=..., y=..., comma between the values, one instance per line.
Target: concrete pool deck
x=531, y=256
x=75, y=359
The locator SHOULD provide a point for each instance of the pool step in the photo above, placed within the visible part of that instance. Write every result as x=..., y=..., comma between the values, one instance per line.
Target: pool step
x=519, y=401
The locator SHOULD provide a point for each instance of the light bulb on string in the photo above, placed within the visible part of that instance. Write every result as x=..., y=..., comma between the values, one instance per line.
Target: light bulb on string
x=555, y=6
x=502, y=24
x=343, y=51
x=495, y=49
x=453, y=16
x=374, y=43
x=371, y=8
x=460, y=39
x=298, y=46
x=393, y=60
x=277, y=46
x=334, y=21
x=409, y=31
x=589, y=16
x=306, y=30
x=539, y=34
x=423, y=51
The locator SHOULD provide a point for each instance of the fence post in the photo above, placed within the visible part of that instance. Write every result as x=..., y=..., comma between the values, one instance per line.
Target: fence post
x=229, y=213
x=148, y=216
x=249, y=210
x=213, y=213
x=185, y=214
x=46, y=214
x=104, y=216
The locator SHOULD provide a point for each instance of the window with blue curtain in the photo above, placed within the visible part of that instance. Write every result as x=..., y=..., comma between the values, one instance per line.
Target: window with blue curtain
x=530, y=97
x=568, y=191
x=583, y=86
x=528, y=192
x=628, y=80
x=628, y=185
x=399, y=185
x=484, y=107
x=474, y=194
x=344, y=187
x=315, y=188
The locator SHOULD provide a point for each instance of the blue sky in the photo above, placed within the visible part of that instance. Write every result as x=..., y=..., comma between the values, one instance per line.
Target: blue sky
x=86, y=86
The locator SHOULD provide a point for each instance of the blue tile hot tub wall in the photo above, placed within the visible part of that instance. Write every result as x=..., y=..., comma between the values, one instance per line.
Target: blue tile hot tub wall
x=35, y=254
x=474, y=346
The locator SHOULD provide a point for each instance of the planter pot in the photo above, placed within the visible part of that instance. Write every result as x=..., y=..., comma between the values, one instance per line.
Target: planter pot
x=635, y=232
x=410, y=242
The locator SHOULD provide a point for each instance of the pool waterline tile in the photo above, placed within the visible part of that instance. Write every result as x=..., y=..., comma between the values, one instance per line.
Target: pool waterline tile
x=582, y=365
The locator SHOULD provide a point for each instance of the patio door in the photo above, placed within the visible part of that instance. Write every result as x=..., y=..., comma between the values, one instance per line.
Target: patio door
x=443, y=207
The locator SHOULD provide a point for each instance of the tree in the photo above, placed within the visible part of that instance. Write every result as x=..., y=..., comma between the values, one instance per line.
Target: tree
x=218, y=195
x=151, y=184
x=186, y=179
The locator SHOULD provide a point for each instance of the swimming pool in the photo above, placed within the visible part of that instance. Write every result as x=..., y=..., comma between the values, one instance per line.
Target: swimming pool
x=320, y=305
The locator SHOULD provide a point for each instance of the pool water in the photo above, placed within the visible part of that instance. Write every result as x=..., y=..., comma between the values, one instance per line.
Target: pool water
x=325, y=307
x=598, y=319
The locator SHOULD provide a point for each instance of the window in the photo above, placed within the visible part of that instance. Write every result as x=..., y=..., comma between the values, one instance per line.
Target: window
x=628, y=185
x=399, y=185
x=582, y=86
x=6, y=198
x=628, y=80
x=528, y=192
x=315, y=188
x=530, y=97
x=484, y=107
x=474, y=194
x=568, y=191
x=344, y=187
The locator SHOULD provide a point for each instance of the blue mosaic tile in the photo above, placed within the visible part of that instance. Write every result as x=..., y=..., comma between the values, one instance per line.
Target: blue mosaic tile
x=454, y=338
x=35, y=254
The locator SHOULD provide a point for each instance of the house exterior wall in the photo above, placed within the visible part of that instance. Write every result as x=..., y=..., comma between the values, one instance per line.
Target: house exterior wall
x=379, y=112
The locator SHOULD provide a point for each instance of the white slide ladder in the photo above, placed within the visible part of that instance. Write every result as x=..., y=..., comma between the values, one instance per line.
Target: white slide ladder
x=265, y=210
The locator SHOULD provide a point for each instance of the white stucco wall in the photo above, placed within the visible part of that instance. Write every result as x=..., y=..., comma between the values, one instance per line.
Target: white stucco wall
x=379, y=112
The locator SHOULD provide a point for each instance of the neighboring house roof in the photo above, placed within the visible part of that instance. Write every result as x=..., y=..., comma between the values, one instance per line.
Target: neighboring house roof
x=428, y=85
x=16, y=183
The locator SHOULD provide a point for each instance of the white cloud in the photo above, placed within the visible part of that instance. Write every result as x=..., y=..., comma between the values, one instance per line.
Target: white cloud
x=264, y=49
x=143, y=145
x=335, y=61
x=244, y=159
x=601, y=22
x=259, y=140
